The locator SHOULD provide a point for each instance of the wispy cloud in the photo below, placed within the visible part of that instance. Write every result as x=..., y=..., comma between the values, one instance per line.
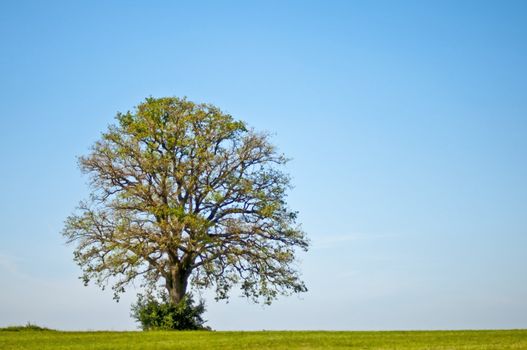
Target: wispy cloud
x=331, y=241
x=9, y=265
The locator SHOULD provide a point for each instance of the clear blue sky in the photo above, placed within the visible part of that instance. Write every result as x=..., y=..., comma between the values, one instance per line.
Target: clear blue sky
x=406, y=120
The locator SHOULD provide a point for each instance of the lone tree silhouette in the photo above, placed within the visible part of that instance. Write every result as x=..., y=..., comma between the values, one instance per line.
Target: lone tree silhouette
x=183, y=194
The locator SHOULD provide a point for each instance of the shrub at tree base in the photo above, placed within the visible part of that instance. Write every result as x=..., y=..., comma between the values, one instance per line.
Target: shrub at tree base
x=155, y=314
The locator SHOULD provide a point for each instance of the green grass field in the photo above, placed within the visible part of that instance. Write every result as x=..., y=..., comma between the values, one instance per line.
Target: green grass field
x=42, y=340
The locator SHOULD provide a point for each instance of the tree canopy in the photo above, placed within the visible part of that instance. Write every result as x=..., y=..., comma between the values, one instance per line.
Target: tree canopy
x=183, y=194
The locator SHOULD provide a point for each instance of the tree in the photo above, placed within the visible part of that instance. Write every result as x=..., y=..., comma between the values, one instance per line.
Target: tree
x=183, y=194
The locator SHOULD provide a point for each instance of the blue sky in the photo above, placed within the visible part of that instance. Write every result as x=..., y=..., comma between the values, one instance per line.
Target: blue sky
x=406, y=122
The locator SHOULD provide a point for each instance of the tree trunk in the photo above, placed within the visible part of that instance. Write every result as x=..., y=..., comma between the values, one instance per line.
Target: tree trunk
x=176, y=284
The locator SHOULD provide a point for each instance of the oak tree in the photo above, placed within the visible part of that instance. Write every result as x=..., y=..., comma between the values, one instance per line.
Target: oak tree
x=182, y=194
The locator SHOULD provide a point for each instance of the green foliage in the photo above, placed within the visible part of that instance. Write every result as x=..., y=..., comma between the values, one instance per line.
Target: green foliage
x=161, y=314
x=28, y=327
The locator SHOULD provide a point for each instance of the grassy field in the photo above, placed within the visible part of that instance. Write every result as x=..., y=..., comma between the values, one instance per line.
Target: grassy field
x=459, y=340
